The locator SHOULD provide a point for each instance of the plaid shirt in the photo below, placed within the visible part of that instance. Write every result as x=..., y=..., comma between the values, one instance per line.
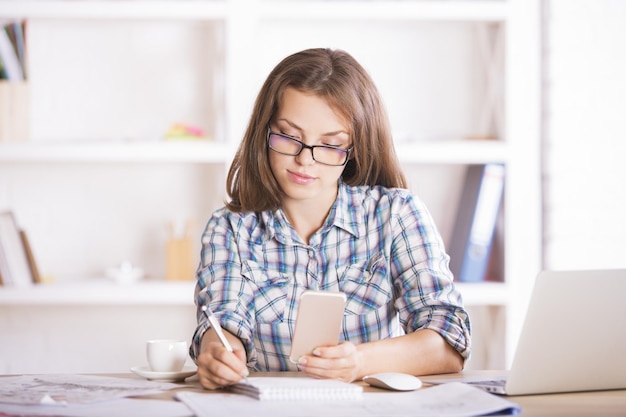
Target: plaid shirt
x=378, y=245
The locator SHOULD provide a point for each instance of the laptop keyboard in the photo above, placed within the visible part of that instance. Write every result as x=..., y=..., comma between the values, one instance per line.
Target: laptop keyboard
x=490, y=382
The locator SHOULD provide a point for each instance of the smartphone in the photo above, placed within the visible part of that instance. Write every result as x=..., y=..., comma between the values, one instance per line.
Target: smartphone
x=318, y=322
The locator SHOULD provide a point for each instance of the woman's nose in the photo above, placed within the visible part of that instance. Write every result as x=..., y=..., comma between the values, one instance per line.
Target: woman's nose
x=305, y=157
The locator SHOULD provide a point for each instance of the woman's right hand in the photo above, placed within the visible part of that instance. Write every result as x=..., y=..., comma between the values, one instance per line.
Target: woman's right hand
x=217, y=367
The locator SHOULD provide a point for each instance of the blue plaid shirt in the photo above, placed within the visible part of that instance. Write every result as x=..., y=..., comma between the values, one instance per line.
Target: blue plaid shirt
x=378, y=245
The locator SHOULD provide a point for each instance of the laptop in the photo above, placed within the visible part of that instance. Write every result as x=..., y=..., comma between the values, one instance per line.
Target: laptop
x=573, y=337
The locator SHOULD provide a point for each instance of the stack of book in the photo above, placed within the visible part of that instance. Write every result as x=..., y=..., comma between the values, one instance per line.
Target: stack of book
x=12, y=52
x=17, y=263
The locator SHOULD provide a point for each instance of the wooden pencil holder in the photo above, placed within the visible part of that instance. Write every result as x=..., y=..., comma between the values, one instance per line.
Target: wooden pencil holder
x=179, y=259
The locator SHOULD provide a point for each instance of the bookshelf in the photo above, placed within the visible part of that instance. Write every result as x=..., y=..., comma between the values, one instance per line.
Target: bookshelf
x=95, y=169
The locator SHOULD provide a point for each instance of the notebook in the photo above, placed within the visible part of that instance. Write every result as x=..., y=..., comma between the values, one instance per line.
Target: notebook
x=573, y=338
x=458, y=400
x=296, y=388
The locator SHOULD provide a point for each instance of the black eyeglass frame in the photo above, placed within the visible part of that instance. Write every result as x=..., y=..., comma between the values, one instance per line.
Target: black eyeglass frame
x=305, y=146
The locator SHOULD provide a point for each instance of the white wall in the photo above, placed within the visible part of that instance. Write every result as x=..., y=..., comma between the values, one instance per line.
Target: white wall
x=585, y=134
x=96, y=338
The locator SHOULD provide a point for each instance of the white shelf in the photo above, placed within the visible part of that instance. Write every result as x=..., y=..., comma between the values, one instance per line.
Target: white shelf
x=105, y=292
x=454, y=152
x=116, y=151
x=100, y=292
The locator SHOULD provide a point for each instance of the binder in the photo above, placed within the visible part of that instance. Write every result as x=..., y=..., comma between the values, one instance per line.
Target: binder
x=477, y=214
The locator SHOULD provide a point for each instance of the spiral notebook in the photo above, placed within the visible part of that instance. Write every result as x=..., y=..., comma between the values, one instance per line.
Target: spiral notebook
x=296, y=388
x=446, y=400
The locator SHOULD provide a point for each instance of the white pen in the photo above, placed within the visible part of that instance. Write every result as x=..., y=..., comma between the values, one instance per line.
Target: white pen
x=216, y=326
x=219, y=332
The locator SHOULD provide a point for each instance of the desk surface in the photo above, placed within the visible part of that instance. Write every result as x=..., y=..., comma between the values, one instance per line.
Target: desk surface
x=596, y=403
x=587, y=404
x=578, y=404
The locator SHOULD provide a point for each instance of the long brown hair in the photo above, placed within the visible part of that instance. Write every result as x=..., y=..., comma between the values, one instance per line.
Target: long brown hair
x=337, y=77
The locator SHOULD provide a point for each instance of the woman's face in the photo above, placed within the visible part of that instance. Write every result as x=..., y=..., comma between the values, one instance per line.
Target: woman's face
x=312, y=121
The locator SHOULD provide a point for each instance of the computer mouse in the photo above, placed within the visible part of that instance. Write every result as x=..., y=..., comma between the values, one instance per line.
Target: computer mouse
x=396, y=381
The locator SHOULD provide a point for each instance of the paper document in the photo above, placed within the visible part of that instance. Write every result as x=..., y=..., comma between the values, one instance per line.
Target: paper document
x=448, y=400
x=122, y=407
x=73, y=389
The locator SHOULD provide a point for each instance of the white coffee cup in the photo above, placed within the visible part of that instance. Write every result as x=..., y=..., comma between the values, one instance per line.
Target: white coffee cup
x=166, y=355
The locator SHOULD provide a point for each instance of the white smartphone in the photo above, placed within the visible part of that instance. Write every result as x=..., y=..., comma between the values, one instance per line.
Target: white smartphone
x=318, y=322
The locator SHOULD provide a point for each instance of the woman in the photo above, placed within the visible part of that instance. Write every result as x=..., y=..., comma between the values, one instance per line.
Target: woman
x=318, y=201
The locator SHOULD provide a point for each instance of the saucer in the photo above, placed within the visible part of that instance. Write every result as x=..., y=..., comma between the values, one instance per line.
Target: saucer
x=147, y=373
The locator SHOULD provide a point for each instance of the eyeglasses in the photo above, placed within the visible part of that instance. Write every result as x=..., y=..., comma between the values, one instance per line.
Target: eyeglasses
x=327, y=155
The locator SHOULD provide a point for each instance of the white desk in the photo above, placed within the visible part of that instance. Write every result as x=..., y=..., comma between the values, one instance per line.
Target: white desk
x=588, y=404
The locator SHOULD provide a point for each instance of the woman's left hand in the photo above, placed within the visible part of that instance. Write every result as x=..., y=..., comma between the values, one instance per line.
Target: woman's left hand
x=342, y=362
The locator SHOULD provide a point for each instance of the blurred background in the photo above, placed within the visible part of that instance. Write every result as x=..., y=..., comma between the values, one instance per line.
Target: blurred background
x=115, y=142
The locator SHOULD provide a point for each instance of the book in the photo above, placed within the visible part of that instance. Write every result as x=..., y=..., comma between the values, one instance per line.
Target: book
x=296, y=388
x=3, y=74
x=2, y=262
x=477, y=215
x=14, y=264
x=495, y=268
x=10, y=60
x=16, y=30
x=32, y=263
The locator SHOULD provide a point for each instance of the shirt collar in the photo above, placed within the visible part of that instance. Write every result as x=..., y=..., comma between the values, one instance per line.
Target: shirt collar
x=346, y=213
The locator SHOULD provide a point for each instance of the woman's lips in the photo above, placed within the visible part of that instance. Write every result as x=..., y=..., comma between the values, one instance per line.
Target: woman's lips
x=300, y=178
